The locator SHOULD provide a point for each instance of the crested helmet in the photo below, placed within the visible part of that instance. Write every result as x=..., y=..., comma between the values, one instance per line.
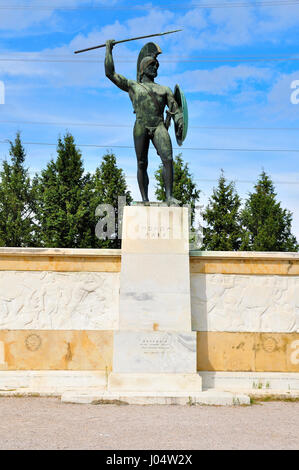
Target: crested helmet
x=147, y=55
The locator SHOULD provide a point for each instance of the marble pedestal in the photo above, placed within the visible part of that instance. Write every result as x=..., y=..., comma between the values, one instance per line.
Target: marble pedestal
x=155, y=349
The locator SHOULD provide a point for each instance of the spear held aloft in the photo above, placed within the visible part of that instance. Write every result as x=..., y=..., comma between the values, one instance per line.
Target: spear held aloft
x=127, y=40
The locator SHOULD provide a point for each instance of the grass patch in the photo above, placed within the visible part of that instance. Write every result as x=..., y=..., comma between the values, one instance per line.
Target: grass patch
x=256, y=399
x=109, y=402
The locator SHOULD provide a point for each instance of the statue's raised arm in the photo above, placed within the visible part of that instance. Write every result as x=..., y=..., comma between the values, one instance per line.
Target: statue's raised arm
x=117, y=79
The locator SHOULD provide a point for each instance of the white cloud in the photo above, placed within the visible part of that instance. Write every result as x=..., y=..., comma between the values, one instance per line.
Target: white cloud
x=89, y=74
x=21, y=19
x=221, y=80
x=154, y=21
x=204, y=29
x=219, y=29
x=113, y=31
x=18, y=20
x=277, y=19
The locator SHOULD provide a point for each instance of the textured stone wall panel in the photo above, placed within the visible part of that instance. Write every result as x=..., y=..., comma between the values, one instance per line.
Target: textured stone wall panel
x=58, y=301
x=245, y=303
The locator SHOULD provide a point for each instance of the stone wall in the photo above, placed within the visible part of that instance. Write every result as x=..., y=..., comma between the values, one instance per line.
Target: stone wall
x=245, y=308
x=58, y=309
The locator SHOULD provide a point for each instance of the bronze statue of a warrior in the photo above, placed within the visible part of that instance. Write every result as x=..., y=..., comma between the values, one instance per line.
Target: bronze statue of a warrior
x=149, y=100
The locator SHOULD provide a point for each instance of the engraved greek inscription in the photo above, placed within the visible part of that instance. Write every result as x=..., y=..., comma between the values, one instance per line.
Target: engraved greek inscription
x=155, y=344
x=154, y=232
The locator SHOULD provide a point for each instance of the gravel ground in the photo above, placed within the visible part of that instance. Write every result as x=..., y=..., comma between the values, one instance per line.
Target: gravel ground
x=46, y=423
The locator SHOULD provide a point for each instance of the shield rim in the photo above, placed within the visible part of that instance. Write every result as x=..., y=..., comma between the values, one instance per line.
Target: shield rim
x=182, y=103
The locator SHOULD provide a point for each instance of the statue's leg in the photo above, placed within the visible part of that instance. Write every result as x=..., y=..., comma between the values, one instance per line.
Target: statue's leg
x=141, y=141
x=162, y=143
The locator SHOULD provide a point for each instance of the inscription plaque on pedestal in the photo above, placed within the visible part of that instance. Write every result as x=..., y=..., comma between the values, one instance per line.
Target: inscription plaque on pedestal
x=154, y=352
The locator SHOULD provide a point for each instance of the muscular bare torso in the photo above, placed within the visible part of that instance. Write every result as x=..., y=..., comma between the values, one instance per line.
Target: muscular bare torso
x=144, y=105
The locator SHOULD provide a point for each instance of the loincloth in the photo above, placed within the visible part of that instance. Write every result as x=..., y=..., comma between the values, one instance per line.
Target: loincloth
x=151, y=129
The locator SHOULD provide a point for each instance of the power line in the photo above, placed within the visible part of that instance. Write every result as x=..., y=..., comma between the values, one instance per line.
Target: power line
x=205, y=180
x=95, y=124
x=175, y=148
x=212, y=180
x=127, y=58
x=122, y=61
x=245, y=181
x=176, y=6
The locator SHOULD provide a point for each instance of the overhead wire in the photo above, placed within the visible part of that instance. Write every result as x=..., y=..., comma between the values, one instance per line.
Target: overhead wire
x=205, y=180
x=57, y=59
x=177, y=6
x=175, y=148
x=119, y=125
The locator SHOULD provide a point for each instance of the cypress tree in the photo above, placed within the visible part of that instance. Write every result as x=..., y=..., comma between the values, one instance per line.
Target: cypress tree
x=109, y=184
x=223, y=231
x=17, y=225
x=63, y=199
x=267, y=227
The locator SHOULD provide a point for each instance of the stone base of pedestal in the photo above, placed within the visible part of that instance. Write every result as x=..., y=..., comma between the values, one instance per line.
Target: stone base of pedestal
x=209, y=397
x=149, y=383
x=155, y=389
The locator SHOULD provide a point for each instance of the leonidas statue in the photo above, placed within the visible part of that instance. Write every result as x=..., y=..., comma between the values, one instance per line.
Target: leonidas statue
x=149, y=100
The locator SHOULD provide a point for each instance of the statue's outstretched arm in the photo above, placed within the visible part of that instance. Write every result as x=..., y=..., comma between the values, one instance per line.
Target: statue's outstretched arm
x=119, y=80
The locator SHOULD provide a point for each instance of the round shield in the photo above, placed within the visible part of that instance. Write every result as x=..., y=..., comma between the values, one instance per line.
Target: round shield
x=182, y=103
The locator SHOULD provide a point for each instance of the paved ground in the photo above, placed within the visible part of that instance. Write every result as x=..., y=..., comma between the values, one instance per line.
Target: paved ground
x=46, y=423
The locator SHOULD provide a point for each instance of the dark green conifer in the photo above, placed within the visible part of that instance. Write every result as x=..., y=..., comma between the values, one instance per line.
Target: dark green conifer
x=222, y=216
x=17, y=223
x=267, y=227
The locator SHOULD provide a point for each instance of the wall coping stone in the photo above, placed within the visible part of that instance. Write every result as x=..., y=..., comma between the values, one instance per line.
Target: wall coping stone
x=80, y=252
x=90, y=252
x=267, y=255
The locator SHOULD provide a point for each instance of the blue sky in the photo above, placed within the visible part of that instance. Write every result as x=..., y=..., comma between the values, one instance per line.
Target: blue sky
x=235, y=101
